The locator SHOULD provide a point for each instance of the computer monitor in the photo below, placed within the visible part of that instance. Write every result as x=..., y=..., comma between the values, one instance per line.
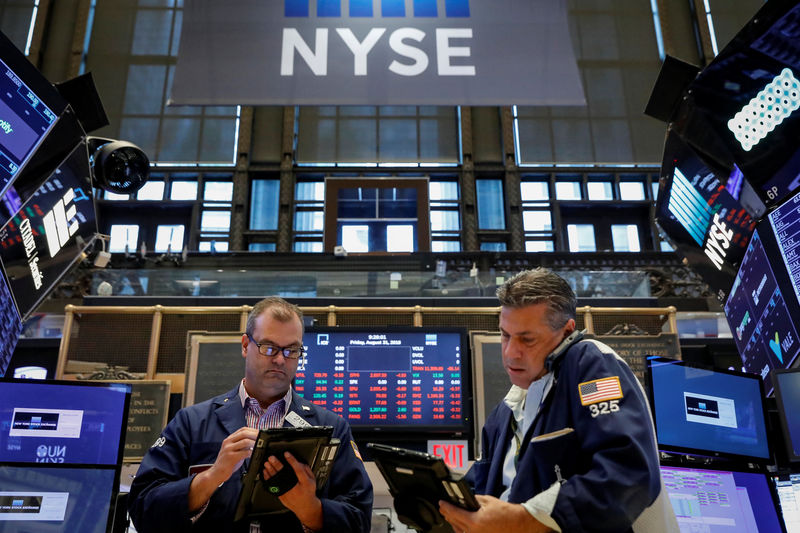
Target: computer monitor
x=756, y=309
x=390, y=379
x=787, y=487
x=55, y=498
x=707, y=412
x=29, y=108
x=785, y=224
x=10, y=325
x=64, y=422
x=787, y=394
x=721, y=501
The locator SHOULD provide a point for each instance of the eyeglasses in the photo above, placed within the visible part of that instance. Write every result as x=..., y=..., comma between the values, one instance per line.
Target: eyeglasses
x=270, y=350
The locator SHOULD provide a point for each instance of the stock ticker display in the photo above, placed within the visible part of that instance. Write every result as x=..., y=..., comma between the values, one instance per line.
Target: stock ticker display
x=756, y=310
x=785, y=222
x=384, y=378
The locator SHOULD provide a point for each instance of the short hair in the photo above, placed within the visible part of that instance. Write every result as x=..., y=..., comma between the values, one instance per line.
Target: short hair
x=278, y=308
x=540, y=285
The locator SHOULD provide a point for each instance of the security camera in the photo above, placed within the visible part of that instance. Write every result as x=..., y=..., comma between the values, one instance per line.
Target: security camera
x=118, y=166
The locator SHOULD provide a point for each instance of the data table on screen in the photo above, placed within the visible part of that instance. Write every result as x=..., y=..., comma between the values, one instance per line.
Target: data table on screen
x=785, y=221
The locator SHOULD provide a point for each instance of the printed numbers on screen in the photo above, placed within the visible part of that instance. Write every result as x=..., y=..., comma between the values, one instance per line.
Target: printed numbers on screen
x=603, y=408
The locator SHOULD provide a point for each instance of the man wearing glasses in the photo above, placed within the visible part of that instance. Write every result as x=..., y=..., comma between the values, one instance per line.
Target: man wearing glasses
x=173, y=493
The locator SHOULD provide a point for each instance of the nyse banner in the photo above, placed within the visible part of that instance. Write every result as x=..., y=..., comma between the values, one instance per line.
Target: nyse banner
x=376, y=52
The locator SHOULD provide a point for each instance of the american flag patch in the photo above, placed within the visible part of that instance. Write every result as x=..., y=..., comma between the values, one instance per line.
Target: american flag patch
x=600, y=390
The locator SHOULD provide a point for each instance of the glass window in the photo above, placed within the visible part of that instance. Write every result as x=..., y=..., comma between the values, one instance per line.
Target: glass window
x=264, y=204
x=152, y=190
x=261, y=247
x=169, y=238
x=124, y=238
x=212, y=246
x=491, y=210
x=654, y=189
x=600, y=190
x=308, y=246
x=215, y=221
x=183, y=190
x=218, y=191
x=355, y=238
x=534, y=191
x=400, y=238
x=666, y=247
x=581, y=238
x=631, y=190
x=538, y=246
x=444, y=220
x=493, y=246
x=108, y=195
x=568, y=190
x=625, y=237
x=310, y=191
x=443, y=191
x=309, y=221
x=446, y=246
x=537, y=221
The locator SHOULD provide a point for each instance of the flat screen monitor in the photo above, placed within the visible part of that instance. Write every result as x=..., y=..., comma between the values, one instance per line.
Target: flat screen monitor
x=788, y=488
x=29, y=108
x=721, y=501
x=785, y=223
x=62, y=421
x=707, y=412
x=761, y=323
x=389, y=378
x=56, y=499
x=50, y=232
x=787, y=394
x=10, y=326
x=707, y=224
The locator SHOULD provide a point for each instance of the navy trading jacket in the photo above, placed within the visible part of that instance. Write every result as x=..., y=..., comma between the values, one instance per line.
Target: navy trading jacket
x=158, y=500
x=604, y=475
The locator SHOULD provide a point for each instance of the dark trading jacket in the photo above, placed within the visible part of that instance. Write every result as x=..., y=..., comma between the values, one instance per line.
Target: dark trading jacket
x=158, y=500
x=609, y=463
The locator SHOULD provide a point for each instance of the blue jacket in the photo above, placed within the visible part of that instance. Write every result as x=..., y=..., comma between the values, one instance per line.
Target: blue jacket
x=608, y=464
x=158, y=500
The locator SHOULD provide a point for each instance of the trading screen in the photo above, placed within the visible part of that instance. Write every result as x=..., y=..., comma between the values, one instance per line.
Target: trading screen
x=385, y=378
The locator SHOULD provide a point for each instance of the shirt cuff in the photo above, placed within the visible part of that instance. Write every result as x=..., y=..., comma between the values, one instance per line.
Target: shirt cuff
x=541, y=506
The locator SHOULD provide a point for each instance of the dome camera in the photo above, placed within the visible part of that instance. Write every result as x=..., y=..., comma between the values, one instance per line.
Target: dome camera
x=118, y=166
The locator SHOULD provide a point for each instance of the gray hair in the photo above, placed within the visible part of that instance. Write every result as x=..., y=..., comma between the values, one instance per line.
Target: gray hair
x=531, y=287
x=279, y=309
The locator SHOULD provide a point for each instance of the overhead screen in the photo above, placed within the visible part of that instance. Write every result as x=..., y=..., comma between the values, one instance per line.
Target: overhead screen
x=389, y=378
x=721, y=501
x=707, y=412
x=62, y=422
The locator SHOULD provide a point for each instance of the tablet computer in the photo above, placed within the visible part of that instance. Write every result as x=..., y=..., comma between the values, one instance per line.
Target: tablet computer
x=417, y=481
x=310, y=445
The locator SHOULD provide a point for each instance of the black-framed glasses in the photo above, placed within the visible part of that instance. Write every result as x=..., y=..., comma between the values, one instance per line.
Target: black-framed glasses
x=270, y=350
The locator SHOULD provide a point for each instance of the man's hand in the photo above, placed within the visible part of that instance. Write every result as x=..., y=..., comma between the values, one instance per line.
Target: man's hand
x=235, y=449
x=302, y=498
x=494, y=515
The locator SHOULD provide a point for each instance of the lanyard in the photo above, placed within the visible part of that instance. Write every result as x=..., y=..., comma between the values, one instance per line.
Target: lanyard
x=513, y=425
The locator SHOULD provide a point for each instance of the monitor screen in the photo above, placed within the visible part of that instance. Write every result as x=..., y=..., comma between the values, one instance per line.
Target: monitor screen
x=50, y=232
x=785, y=222
x=389, y=377
x=721, y=501
x=29, y=108
x=62, y=422
x=707, y=412
x=55, y=499
x=707, y=224
x=762, y=325
x=10, y=326
x=788, y=488
x=787, y=393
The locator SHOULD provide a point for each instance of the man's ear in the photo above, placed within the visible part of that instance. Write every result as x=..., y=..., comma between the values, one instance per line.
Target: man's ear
x=245, y=344
x=569, y=327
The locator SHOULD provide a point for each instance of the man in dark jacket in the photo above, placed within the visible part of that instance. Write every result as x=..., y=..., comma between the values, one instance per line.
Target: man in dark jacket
x=219, y=434
x=572, y=446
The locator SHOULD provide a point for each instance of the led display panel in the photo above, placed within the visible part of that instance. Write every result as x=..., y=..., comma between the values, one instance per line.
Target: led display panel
x=389, y=378
x=721, y=501
x=707, y=412
x=760, y=320
x=62, y=422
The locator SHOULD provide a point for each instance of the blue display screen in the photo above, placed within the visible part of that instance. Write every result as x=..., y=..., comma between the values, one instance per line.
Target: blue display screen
x=787, y=392
x=720, y=501
x=46, y=422
x=384, y=377
x=58, y=499
x=706, y=411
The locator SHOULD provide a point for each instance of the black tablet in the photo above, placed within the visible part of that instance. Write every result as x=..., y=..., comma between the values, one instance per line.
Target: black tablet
x=310, y=445
x=417, y=481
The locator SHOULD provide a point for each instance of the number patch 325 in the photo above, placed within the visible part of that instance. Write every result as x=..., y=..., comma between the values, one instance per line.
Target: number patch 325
x=603, y=408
